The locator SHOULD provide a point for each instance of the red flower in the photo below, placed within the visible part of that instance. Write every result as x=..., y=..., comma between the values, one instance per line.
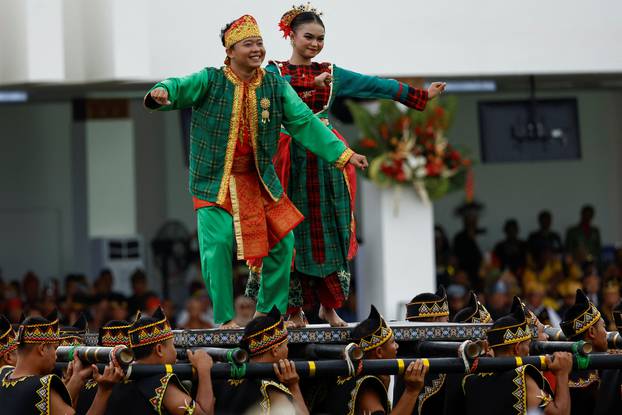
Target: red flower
x=368, y=143
x=454, y=155
x=434, y=167
x=439, y=111
x=384, y=131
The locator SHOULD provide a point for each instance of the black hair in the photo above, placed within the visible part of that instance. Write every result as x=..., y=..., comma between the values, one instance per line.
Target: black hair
x=305, y=17
x=544, y=214
x=510, y=223
x=143, y=352
x=224, y=30
x=138, y=275
x=117, y=298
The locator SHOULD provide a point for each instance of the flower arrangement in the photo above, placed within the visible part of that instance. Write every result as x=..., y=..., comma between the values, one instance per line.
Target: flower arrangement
x=409, y=148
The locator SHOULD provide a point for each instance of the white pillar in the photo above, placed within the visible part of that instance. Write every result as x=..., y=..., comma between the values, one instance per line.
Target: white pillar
x=396, y=260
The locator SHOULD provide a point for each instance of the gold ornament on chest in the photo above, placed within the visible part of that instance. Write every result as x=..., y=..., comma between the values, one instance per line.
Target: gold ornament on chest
x=264, y=103
x=306, y=94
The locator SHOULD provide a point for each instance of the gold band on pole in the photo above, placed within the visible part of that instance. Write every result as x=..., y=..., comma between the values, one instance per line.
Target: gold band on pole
x=400, y=365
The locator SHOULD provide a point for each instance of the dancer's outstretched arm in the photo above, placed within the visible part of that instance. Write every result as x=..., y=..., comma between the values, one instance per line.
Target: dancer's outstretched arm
x=179, y=93
x=356, y=85
x=311, y=133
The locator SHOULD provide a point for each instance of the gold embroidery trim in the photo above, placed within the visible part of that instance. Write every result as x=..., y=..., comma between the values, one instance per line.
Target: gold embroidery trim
x=234, y=128
x=45, y=386
x=355, y=391
x=237, y=223
x=344, y=158
x=521, y=390
x=429, y=391
x=254, y=124
x=265, y=405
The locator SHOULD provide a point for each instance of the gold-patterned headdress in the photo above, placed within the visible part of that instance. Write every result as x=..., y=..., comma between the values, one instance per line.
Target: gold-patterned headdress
x=580, y=317
x=372, y=332
x=474, y=312
x=150, y=330
x=511, y=328
x=264, y=334
x=39, y=330
x=74, y=335
x=242, y=28
x=428, y=305
x=8, y=337
x=115, y=333
x=286, y=20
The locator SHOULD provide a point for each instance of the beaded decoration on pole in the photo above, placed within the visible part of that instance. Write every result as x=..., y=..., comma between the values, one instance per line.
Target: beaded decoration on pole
x=290, y=15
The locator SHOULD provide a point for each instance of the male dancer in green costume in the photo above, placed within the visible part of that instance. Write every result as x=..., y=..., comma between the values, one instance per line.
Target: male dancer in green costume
x=237, y=114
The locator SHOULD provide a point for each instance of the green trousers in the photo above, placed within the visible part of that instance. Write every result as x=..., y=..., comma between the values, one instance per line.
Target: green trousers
x=215, y=233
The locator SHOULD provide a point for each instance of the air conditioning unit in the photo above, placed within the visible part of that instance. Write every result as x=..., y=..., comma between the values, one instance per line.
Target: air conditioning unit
x=122, y=255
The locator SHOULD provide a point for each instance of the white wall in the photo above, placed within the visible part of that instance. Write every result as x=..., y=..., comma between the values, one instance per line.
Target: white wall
x=67, y=41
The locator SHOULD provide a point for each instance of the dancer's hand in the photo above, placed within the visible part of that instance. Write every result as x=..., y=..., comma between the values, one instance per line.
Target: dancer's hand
x=160, y=95
x=415, y=375
x=322, y=80
x=358, y=160
x=286, y=373
x=436, y=88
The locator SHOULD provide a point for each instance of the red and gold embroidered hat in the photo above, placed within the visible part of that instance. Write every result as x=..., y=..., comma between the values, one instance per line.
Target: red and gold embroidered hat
x=150, y=330
x=372, y=332
x=8, y=337
x=39, y=329
x=264, y=333
x=242, y=28
x=287, y=18
x=74, y=335
x=115, y=333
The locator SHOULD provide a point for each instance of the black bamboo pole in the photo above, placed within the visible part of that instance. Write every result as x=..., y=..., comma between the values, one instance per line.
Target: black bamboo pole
x=331, y=368
x=447, y=349
x=614, y=340
x=333, y=351
x=548, y=347
x=88, y=354
x=218, y=354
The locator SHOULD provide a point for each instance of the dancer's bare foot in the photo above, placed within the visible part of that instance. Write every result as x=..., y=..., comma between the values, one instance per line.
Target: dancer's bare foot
x=229, y=325
x=297, y=320
x=330, y=315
